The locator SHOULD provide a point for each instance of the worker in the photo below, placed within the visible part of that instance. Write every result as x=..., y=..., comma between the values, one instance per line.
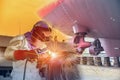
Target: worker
x=24, y=48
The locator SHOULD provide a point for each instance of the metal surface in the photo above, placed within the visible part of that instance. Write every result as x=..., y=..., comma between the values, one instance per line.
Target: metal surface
x=100, y=17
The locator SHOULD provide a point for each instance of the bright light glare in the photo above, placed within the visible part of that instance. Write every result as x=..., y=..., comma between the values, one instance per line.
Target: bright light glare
x=53, y=54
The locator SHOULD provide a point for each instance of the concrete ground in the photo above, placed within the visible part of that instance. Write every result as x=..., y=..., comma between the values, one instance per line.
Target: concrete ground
x=99, y=73
x=93, y=73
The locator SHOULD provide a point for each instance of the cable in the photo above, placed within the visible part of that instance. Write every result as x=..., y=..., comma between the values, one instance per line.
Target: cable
x=24, y=74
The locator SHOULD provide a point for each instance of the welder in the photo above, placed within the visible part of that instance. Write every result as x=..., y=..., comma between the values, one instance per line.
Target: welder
x=24, y=48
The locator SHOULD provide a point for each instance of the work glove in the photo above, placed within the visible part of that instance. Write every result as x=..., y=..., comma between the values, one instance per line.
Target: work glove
x=25, y=54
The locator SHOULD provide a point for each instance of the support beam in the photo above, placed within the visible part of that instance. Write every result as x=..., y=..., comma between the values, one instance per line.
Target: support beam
x=116, y=62
x=98, y=61
x=90, y=61
x=84, y=60
x=107, y=61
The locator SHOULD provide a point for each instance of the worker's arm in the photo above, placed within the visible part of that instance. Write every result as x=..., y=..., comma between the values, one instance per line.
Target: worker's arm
x=14, y=51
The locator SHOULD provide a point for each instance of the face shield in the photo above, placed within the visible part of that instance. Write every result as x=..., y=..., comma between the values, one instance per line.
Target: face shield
x=41, y=36
x=41, y=31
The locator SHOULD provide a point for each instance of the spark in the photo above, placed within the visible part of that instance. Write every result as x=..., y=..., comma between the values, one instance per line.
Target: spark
x=53, y=54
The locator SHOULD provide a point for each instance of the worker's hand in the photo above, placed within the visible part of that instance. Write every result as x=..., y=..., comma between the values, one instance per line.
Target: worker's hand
x=31, y=55
x=25, y=54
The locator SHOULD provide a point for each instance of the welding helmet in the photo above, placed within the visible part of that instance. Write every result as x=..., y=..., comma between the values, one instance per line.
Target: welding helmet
x=39, y=29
